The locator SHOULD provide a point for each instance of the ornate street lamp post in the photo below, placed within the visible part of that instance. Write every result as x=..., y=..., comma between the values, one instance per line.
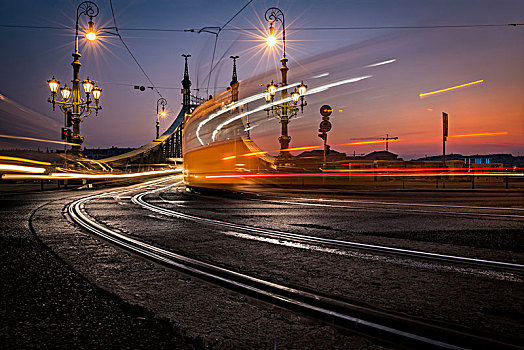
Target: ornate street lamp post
x=78, y=107
x=287, y=107
x=162, y=102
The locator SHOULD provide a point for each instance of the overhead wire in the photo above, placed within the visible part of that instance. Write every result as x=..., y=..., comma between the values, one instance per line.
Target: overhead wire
x=194, y=30
x=128, y=50
x=211, y=68
x=150, y=87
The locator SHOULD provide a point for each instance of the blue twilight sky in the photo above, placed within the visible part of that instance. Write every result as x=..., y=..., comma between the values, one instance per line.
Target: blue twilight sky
x=387, y=102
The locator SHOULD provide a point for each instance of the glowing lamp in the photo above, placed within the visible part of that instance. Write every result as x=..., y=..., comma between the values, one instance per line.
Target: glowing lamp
x=90, y=35
x=272, y=88
x=96, y=93
x=271, y=40
x=88, y=85
x=267, y=96
x=65, y=92
x=295, y=96
x=53, y=84
x=302, y=89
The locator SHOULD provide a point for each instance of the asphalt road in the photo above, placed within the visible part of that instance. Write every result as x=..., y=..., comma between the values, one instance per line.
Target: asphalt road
x=480, y=224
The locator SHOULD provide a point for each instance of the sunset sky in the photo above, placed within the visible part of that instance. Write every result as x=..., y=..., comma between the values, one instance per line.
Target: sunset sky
x=399, y=64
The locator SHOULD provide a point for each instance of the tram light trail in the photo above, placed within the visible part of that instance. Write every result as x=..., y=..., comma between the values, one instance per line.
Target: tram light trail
x=414, y=170
x=482, y=134
x=110, y=176
x=369, y=173
x=254, y=154
x=21, y=169
x=24, y=160
x=265, y=152
x=424, y=94
x=36, y=139
x=263, y=107
x=300, y=148
x=365, y=143
x=369, y=142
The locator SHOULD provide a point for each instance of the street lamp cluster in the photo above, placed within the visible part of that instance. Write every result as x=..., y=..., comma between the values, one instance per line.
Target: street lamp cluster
x=79, y=107
x=296, y=95
x=65, y=91
x=286, y=108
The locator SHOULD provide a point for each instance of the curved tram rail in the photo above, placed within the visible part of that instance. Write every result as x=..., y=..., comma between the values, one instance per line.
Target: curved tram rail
x=307, y=239
x=386, y=326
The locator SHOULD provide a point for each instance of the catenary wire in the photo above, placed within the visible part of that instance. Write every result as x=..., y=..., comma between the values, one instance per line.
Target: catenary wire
x=193, y=30
x=128, y=50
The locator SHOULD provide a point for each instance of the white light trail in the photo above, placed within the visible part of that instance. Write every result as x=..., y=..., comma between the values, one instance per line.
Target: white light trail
x=274, y=103
x=108, y=176
x=233, y=106
x=320, y=75
x=21, y=169
x=381, y=63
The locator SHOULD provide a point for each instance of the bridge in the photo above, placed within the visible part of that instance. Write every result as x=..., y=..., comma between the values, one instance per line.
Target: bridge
x=168, y=146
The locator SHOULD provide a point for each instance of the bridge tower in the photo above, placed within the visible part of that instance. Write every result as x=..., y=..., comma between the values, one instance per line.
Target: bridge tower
x=234, y=81
x=186, y=87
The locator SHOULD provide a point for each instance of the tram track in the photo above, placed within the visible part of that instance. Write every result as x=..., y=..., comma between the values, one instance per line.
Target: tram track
x=394, y=328
x=333, y=243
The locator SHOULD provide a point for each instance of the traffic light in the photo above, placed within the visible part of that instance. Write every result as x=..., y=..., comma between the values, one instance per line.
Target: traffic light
x=66, y=134
x=69, y=118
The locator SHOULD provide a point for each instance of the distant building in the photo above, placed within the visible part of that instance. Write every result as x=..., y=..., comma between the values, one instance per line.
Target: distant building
x=475, y=160
x=101, y=153
x=378, y=155
x=314, y=159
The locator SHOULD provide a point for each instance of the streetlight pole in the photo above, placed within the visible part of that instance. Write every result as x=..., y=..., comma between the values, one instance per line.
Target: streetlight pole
x=79, y=107
x=162, y=102
x=285, y=110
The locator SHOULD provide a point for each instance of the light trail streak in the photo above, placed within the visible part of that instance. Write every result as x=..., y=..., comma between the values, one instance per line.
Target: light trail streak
x=415, y=170
x=229, y=157
x=274, y=103
x=300, y=148
x=21, y=169
x=24, y=160
x=254, y=154
x=381, y=63
x=482, y=134
x=233, y=106
x=264, y=106
x=424, y=94
x=111, y=176
x=368, y=142
x=369, y=173
x=265, y=152
x=36, y=139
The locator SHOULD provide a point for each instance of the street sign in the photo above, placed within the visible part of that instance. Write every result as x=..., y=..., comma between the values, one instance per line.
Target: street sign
x=325, y=126
x=444, y=125
x=326, y=110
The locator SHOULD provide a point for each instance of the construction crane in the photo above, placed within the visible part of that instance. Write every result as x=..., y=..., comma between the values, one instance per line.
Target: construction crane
x=387, y=138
